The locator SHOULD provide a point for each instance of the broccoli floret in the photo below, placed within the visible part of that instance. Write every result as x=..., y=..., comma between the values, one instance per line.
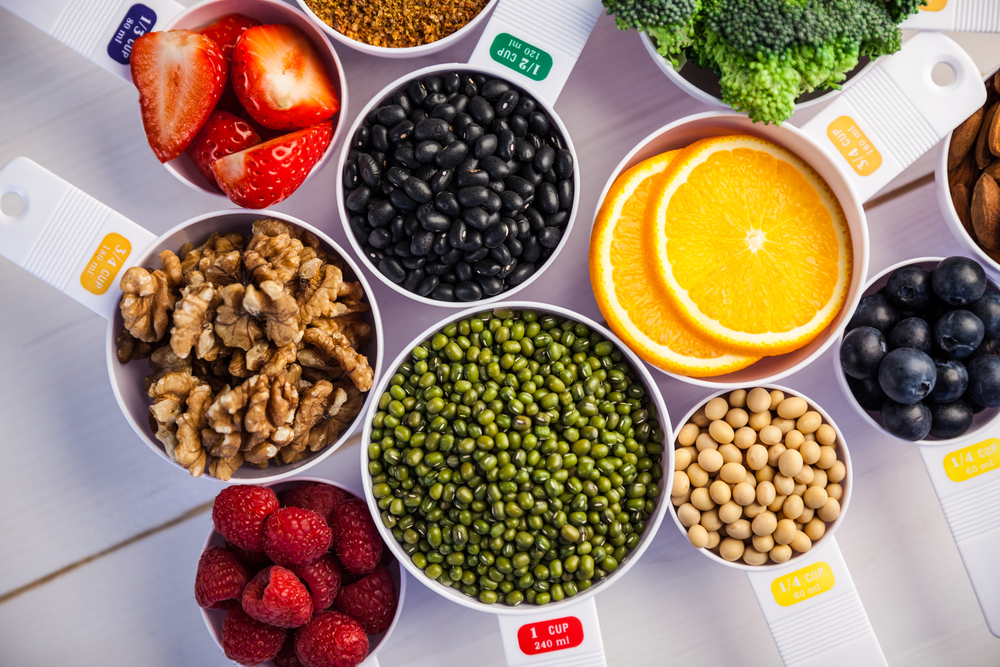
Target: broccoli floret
x=668, y=22
x=901, y=9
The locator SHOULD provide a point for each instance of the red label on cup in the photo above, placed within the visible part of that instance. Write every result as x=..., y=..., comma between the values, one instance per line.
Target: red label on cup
x=546, y=636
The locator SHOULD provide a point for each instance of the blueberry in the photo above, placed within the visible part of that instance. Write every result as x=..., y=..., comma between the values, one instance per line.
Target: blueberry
x=911, y=332
x=987, y=308
x=958, y=333
x=908, y=375
x=988, y=346
x=868, y=393
x=952, y=381
x=874, y=311
x=909, y=288
x=909, y=422
x=984, y=380
x=975, y=407
x=862, y=351
x=958, y=280
x=950, y=420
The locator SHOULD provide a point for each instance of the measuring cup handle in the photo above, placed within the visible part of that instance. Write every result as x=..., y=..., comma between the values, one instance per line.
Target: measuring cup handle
x=537, y=43
x=956, y=16
x=967, y=484
x=895, y=113
x=101, y=30
x=814, y=611
x=66, y=237
x=559, y=637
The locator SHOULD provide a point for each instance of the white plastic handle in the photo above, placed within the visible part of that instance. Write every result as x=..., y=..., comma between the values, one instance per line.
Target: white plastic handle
x=895, y=113
x=67, y=238
x=814, y=612
x=966, y=478
x=562, y=636
x=101, y=30
x=537, y=42
x=956, y=16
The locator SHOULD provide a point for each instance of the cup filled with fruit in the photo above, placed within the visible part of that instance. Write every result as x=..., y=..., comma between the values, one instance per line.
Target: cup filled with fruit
x=762, y=480
x=295, y=573
x=515, y=463
x=727, y=253
x=241, y=344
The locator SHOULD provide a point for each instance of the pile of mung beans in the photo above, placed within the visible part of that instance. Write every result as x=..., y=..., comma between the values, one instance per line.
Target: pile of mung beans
x=516, y=457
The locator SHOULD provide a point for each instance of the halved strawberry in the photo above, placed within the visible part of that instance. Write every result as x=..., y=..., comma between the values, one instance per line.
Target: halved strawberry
x=226, y=31
x=280, y=78
x=180, y=75
x=267, y=173
x=223, y=134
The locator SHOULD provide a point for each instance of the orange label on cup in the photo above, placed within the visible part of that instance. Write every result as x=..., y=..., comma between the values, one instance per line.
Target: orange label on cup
x=105, y=264
x=802, y=584
x=972, y=461
x=934, y=5
x=852, y=143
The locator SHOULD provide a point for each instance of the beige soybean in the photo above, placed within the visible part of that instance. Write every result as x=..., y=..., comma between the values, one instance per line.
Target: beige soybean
x=799, y=489
x=764, y=524
x=805, y=475
x=781, y=553
x=740, y=529
x=758, y=400
x=794, y=439
x=815, y=528
x=800, y=542
x=682, y=458
x=779, y=501
x=710, y=460
x=737, y=418
x=837, y=472
x=716, y=408
x=810, y=452
x=784, y=532
x=710, y=519
x=743, y=494
x=827, y=457
x=732, y=473
x=765, y=474
x=825, y=435
x=688, y=515
x=745, y=437
x=762, y=543
x=731, y=549
x=790, y=463
x=753, y=557
x=777, y=396
x=702, y=499
x=738, y=398
x=681, y=484
x=753, y=510
x=677, y=501
x=757, y=457
x=809, y=422
x=688, y=434
x=815, y=497
x=819, y=478
x=720, y=493
x=829, y=511
x=783, y=485
x=770, y=435
x=697, y=475
x=774, y=453
x=835, y=491
x=699, y=419
x=730, y=512
x=749, y=479
x=765, y=493
x=792, y=407
x=721, y=432
x=705, y=441
x=698, y=536
x=810, y=437
x=792, y=507
x=784, y=425
x=713, y=539
x=759, y=420
x=730, y=454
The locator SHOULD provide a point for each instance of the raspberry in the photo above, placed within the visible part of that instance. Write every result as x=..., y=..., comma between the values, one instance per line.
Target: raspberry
x=331, y=640
x=294, y=536
x=248, y=641
x=359, y=546
x=253, y=560
x=278, y=598
x=371, y=601
x=220, y=579
x=286, y=656
x=239, y=513
x=322, y=577
x=318, y=497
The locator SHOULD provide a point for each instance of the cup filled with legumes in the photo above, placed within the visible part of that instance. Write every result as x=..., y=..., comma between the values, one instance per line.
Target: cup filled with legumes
x=515, y=463
x=762, y=480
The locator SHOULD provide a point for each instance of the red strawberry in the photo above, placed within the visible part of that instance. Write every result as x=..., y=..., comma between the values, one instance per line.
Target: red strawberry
x=286, y=656
x=248, y=641
x=331, y=639
x=180, y=76
x=223, y=134
x=220, y=579
x=316, y=496
x=322, y=577
x=239, y=513
x=294, y=536
x=371, y=601
x=359, y=546
x=226, y=31
x=280, y=78
x=267, y=173
x=278, y=598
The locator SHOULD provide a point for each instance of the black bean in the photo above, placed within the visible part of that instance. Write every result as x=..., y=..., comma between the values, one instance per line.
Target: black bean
x=361, y=138
x=434, y=83
x=471, y=133
x=523, y=150
x=413, y=279
x=371, y=117
x=457, y=234
x=473, y=241
x=474, y=177
x=495, y=235
x=499, y=125
x=380, y=138
x=452, y=80
x=359, y=226
x=497, y=186
x=412, y=263
x=379, y=238
x=447, y=203
x=417, y=91
x=426, y=172
x=401, y=131
x=443, y=293
x=468, y=291
x=421, y=242
x=538, y=123
x=402, y=249
x=500, y=254
x=525, y=107
x=505, y=145
x=351, y=175
x=391, y=114
x=507, y=103
x=374, y=255
x=550, y=177
x=555, y=141
x=459, y=101
x=511, y=202
x=445, y=112
x=473, y=196
x=431, y=128
x=357, y=200
x=369, y=170
x=528, y=173
x=557, y=219
x=564, y=164
x=436, y=269
x=506, y=271
x=452, y=256
x=520, y=274
x=392, y=269
x=519, y=186
x=441, y=245
x=401, y=200
x=426, y=151
x=441, y=180
x=468, y=87
x=486, y=145
x=427, y=285
x=473, y=256
x=380, y=213
x=403, y=100
x=487, y=267
x=433, y=100
x=493, y=89
x=411, y=224
x=463, y=271
x=432, y=219
x=549, y=237
x=476, y=217
x=518, y=125
x=546, y=198
x=417, y=116
x=493, y=203
x=523, y=229
x=495, y=167
x=565, y=190
x=387, y=188
x=406, y=156
x=545, y=158
x=514, y=247
x=452, y=155
x=397, y=176
x=480, y=110
x=397, y=227
x=531, y=251
x=468, y=164
x=535, y=219
x=418, y=190
x=461, y=120
x=491, y=285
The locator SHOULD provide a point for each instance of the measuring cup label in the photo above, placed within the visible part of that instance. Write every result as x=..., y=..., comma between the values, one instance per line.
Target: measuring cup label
x=854, y=145
x=108, y=259
x=934, y=6
x=547, y=636
x=512, y=52
x=972, y=461
x=139, y=20
x=802, y=584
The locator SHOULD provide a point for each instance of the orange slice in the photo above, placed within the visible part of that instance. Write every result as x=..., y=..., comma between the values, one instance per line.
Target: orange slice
x=750, y=243
x=635, y=308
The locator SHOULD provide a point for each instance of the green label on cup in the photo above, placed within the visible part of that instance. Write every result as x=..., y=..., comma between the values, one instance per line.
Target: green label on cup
x=530, y=61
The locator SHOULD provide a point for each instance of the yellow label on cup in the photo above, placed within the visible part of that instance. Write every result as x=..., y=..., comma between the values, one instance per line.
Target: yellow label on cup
x=934, y=5
x=105, y=264
x=974, y=460
x=802, y=584
x=852, y=143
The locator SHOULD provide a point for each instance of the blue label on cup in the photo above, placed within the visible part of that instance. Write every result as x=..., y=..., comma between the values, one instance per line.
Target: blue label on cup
x=139, y=20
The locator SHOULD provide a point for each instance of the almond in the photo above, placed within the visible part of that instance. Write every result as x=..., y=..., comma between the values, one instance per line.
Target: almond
x=960, y=198
x=994, y=169
x=983, y=154
x=964, y=138
x=966, y=173
x=994, y=139
x=986, y=212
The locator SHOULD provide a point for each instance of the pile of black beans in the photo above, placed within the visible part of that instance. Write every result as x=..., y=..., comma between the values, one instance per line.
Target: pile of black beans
x=458, y=186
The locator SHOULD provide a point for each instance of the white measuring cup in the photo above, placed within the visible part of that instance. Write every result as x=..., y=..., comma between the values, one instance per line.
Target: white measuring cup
x=103, y=31
x=82, y=248
x=810, y=602
x=560, y=633
x=858, y=143
x=956, y=16
x=964, y=474
x=534, y=56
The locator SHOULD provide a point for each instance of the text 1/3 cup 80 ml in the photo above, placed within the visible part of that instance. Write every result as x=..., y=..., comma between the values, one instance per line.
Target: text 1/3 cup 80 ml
x=83, y=248
x=451, y=197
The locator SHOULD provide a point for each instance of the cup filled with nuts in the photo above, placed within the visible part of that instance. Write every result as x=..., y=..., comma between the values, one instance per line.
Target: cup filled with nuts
x=514, y=460
x=762, y=481
x=240, y=344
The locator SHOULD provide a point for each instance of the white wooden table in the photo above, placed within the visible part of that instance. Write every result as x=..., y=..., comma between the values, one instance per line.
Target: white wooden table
x=99, y=540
